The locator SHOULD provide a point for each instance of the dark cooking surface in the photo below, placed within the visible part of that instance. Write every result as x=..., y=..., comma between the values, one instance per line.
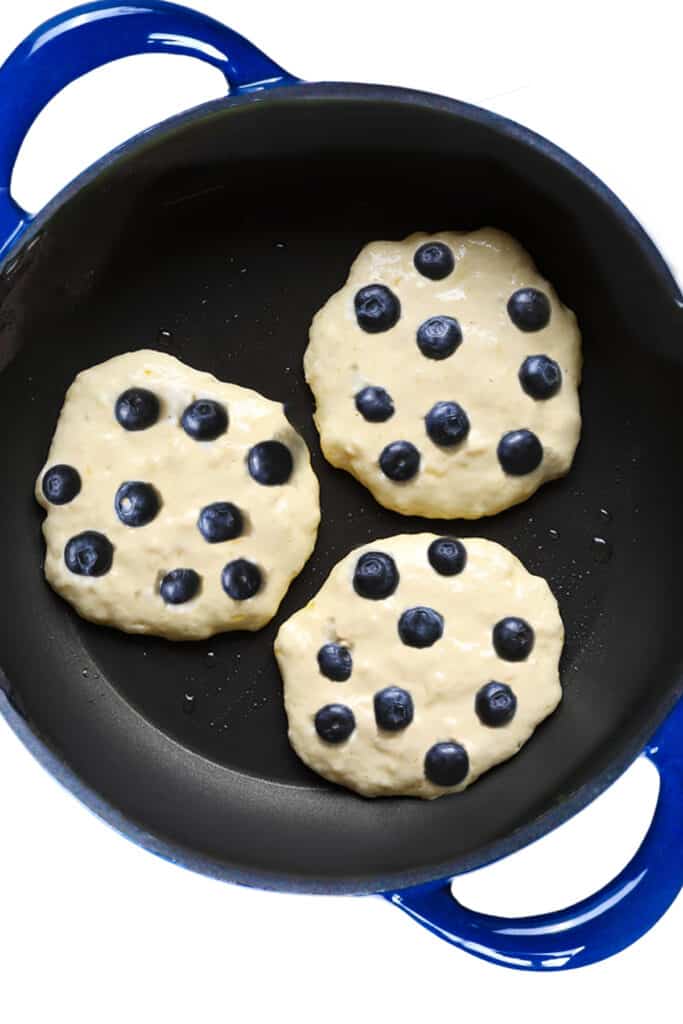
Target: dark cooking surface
x=222, y=264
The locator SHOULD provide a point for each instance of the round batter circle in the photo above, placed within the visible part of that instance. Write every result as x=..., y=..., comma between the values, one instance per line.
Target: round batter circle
x=408, y=715
x=448, y=342
x=166, y=516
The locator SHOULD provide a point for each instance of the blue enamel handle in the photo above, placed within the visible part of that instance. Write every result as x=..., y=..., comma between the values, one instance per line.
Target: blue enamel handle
x=597, y=927
x=84, y=38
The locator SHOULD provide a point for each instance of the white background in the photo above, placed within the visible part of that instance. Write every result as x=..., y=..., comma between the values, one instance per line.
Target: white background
x=94, y=929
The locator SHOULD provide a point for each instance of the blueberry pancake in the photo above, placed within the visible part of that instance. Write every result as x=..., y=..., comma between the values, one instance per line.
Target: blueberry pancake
x=422, y=662
x=445, y=373
x=177, y=504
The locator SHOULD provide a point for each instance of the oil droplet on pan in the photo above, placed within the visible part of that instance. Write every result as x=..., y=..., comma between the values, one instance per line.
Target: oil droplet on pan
x=602, y=549
x=554, y=534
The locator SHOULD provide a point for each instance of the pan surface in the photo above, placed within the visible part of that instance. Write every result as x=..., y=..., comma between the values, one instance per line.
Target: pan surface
x=216, y=238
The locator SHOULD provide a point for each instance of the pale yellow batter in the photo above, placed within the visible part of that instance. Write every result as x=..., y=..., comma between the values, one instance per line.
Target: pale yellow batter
x=443, y=679
x=280, y=522
x=481, y=376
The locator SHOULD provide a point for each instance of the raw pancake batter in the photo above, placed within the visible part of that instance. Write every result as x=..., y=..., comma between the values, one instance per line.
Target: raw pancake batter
x=422, y=662
x=176, y=504
x=445, y=373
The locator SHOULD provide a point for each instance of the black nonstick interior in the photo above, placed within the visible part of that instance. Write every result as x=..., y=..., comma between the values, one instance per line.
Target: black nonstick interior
x=216, y=240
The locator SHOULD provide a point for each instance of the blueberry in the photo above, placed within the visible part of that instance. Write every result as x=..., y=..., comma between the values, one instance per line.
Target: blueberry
x=89, y=554
x=438, y=337
x=241, y=579
x=529, y=309
x=335, y=662
x=136, y=503
x=205, y=420
x=540, y=377
x=220, y=521
x=377, y=308
x=393, y=708
x=446, y=764
x=374, y=404
x=447, y=556
x=334, y=723
x=400, y=461
x=61, y=484
x=179, y=586
x=137, y=409
x=434, y=260
x=495, y=704
x=270, y=463
x=513, y=639
x=519, y=452
x=447, y=424
x=375, y=575
x=420, y=627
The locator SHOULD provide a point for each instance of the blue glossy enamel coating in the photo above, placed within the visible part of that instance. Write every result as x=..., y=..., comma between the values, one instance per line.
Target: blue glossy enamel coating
x=595, y=928
x=84, y=38
x=89, y=36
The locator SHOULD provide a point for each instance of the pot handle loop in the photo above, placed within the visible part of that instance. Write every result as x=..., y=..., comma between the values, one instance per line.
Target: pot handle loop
x=595, y=928
x=86, y=37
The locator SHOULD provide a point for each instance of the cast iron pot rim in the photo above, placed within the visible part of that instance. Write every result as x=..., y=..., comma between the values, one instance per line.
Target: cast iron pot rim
x=519, y=838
